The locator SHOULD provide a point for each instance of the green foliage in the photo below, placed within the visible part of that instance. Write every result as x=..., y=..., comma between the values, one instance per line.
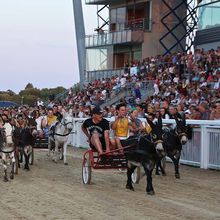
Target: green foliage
x=76, y=87
x=30, y=91
x=5, y=97
x=29, y=86
x=30, y=94
x=30, y=100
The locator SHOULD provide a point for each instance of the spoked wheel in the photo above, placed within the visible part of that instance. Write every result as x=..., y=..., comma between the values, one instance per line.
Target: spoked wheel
x=136, y=175
x=86, y=171
x=31, y=157
x=60, y=151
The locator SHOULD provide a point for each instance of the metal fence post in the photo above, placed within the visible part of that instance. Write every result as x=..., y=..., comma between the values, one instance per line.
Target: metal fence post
x=204, y=147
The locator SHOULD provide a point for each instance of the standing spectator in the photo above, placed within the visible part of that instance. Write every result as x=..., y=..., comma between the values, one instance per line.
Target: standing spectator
x=137, y=92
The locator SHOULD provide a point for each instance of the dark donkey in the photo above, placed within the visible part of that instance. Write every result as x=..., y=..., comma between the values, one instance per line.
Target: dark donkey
x=173, y=141
x=148, y=150
x=24, y=139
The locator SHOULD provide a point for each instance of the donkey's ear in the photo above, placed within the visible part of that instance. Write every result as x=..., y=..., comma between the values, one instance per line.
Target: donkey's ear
x=184, y=119
x=150, y=123
x=176, y=119
x=160, y=121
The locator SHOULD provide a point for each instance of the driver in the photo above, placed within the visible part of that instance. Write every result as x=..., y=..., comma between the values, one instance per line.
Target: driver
x=97, y=129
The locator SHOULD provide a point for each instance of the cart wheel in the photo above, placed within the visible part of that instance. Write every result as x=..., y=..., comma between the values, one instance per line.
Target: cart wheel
x=86, y=172
x=31, y=157
x=60, y=151
x=136, y=175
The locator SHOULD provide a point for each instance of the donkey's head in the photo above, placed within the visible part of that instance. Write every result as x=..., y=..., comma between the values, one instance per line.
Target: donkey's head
x=67, y=121
x=181, y=129
x=157, y=136
x=31, y=126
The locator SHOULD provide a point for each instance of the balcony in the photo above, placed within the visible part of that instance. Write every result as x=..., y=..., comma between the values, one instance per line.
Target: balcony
x=130, y=33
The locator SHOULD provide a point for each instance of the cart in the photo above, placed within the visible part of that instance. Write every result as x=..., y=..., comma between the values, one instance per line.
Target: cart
x=114, y=159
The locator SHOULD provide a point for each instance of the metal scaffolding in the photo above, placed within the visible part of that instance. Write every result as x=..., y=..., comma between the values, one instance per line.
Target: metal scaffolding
x=187, y=22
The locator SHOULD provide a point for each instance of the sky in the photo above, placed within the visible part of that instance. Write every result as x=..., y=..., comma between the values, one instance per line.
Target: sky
x=38, y=44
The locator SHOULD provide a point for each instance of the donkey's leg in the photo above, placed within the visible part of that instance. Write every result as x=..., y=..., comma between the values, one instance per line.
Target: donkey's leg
x=175, y=158
x=12, y=165
x=21, y=153
x=49, y=147
x=64, y=153
x=162, y=168
x=26, y=157
x=55, y=157
x=148, y=168
x=4, y=161
x=130, y=169
x=158, y=164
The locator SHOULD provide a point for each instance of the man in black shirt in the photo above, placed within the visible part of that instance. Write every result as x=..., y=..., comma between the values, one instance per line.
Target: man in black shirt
x=97, y=129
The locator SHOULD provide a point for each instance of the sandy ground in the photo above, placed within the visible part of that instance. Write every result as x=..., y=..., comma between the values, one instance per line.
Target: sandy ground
x=55, y=191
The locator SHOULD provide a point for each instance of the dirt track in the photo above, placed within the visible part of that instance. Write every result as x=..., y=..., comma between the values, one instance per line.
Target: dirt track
x=55, y=191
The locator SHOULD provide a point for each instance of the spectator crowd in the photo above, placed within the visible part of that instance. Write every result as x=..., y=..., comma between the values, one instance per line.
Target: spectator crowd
x=182, y=82
x=187, y=82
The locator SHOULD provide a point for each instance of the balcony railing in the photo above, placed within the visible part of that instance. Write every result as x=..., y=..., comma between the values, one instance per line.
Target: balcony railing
x=108, y=38
x=99, y=74
x=98, y=1
x=131, y=31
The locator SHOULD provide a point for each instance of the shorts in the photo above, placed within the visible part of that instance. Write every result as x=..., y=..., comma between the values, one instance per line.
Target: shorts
x=102, y=140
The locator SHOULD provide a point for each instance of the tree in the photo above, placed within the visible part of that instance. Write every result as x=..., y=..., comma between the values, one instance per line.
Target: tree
x=29, y=86
x=30, y=91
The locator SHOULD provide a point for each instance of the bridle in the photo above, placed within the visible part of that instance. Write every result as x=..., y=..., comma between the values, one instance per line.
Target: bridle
x=181, y=134
x=65, y=125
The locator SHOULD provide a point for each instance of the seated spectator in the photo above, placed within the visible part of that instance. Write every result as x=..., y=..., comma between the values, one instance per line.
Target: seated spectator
x=38, y=119
x=48, y=121
x=204, y=110
x=136, y=124
x=215, y=114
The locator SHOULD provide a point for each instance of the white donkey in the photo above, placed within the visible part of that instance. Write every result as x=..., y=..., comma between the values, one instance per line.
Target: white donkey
x=58, y=137
x=7, y=150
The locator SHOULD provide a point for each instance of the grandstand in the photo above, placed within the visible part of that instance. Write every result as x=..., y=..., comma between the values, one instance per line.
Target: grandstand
x=129, y=40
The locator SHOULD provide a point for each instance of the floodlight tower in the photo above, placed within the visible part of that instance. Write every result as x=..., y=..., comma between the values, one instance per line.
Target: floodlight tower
x=80, y=39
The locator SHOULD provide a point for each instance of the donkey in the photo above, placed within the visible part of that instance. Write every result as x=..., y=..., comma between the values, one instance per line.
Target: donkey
x=24, y=139
x=149, y=149
x=7, y=150
x=173, y=141
x=58, y=137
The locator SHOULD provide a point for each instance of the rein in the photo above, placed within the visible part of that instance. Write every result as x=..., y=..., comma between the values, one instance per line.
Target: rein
x=64, y=135
x=64, y=124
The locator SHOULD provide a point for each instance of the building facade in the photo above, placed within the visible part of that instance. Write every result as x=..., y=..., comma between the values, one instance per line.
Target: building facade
x=208, y=33
x=136, y=29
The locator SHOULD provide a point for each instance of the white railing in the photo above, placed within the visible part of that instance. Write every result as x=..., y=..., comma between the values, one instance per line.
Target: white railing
x=202, y=151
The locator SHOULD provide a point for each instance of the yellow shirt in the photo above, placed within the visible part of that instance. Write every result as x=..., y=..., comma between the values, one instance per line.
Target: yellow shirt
x=148, y=128
x=51, y=120
x=122, y=128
